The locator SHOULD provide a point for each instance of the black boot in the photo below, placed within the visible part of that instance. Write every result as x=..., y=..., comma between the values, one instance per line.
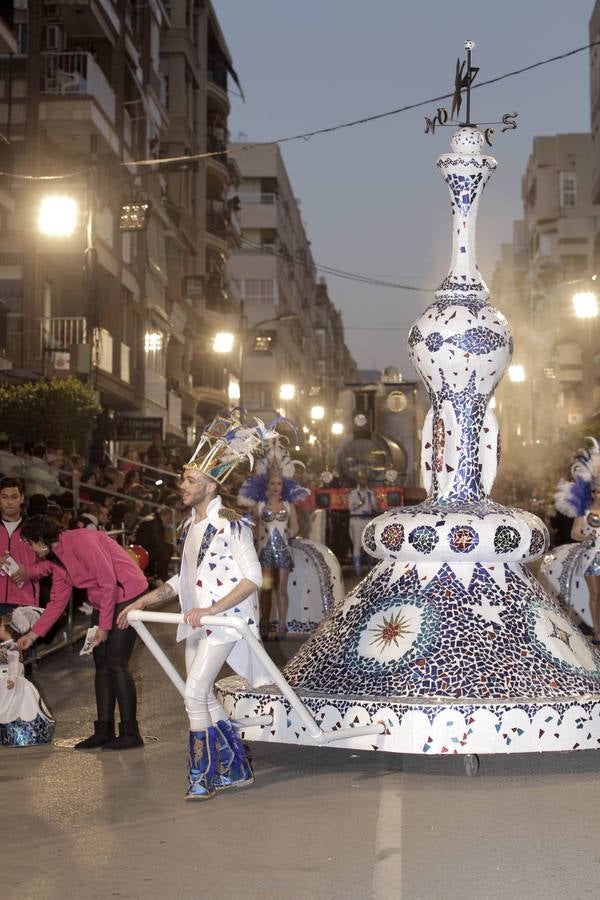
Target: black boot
x=129, y=737
x=103, y=733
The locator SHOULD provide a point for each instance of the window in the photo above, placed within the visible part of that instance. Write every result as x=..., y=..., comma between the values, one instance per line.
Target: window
x=22, y=37
x=568, y=189
x=54, y=37
x=259, y=290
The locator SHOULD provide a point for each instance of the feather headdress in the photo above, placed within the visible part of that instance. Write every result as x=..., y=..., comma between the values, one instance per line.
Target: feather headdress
x=573, y=498
x=274, y=457
x=225, y=443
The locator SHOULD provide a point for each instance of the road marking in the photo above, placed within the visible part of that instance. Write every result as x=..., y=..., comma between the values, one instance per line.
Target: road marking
x=387, y=873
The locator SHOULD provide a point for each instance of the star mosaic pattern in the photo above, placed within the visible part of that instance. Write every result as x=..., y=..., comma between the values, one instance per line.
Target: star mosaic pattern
x=392, y=537
x=476, y=642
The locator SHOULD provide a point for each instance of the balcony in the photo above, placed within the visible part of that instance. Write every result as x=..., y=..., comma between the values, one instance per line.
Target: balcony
x=155, y=388
x=216, y=142
x=217, y=83
x=216, y=139
x=86, y=17
x=61, y=333
x=216, y=223
x=252, y=198
x=103, y=347
x=78, y=100
x=174, y=410
x=125, y=363
x=217, y=73
x=69, y=334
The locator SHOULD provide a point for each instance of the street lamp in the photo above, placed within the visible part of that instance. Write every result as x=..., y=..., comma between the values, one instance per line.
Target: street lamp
x=516, y=373
x=287, y=392
x=58, y=215
x=317, y=413
x=337, y=428
x=585, y=304
x=223, y=342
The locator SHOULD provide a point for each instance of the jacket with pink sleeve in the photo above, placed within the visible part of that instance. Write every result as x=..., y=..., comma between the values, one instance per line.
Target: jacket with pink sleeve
x=27, y=594
x=94, y=561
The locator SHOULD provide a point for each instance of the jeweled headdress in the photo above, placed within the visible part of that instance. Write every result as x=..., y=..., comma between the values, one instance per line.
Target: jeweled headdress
x=225, y=443
x=274, y=457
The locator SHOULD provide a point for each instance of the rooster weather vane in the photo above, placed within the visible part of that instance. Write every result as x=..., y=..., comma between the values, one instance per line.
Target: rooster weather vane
x=463, y=79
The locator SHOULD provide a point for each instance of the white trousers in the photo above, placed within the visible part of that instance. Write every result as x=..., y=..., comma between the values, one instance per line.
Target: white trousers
x=357, y=526
x=203, y=662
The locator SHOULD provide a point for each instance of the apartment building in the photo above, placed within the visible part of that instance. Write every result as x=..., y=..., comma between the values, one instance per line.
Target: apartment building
x=295, y=356
x=196, y=67
x=128, y=300
x=555, y=384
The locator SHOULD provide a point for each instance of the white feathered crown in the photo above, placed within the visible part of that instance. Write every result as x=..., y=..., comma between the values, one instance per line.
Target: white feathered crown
x=225, y=443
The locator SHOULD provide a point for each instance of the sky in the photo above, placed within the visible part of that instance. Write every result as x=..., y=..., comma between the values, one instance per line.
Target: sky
x=371, y=198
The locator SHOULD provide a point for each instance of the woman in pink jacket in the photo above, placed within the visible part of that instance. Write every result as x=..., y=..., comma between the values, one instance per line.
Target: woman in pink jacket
x=90, y=559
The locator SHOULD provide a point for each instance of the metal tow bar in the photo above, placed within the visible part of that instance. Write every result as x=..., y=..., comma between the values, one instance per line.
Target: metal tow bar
x=136, y=619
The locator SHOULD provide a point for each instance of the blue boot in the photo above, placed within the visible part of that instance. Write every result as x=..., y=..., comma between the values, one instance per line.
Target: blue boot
x=203, y=765
x=233, y=767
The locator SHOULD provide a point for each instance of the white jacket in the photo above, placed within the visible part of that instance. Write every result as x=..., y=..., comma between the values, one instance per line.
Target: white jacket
x=226, y=556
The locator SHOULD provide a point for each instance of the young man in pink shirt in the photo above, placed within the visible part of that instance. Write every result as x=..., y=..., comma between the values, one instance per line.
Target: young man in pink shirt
x=20, y=588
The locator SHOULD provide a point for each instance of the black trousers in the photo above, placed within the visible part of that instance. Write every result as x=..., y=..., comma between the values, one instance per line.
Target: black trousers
x=114, y=682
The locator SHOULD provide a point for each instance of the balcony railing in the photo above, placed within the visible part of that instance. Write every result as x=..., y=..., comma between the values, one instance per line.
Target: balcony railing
x=267, y=199
x=103, y=346
x=125, y=363
x=215, y=218
x=216, y=140
x=174, y=410
x=77, y=74
x=217, y=72
x=61, y=332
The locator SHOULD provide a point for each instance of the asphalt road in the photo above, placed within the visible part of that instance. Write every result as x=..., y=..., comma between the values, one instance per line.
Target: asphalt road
x=319, y=822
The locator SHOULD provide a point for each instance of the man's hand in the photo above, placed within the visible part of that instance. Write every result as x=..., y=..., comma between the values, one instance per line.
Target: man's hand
x=140, y=603
x=10, y=684
x=101, y=636
x=193, y=616
x=26, y=641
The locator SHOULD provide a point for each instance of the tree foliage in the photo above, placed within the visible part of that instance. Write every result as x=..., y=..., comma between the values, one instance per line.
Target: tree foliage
x=59, y=412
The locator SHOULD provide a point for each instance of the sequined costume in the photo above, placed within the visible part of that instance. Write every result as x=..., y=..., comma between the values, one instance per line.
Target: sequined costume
x=590, y=529
x=24, y=719
x=273, y=545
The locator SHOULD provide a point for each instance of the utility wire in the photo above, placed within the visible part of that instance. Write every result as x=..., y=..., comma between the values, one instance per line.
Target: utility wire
x=306, y=135
x=335, y=272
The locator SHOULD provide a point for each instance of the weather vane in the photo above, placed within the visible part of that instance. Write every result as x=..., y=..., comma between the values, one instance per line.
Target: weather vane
x=463, y=79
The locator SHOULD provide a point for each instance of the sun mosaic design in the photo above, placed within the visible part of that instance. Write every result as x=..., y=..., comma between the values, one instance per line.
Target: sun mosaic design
x=394, y=638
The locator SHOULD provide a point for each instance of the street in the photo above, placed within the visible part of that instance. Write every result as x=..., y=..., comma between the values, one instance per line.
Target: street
x=318, y=823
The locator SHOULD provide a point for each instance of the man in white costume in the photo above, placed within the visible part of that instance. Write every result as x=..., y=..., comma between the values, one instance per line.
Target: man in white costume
x=362, y=504
x=220, y=575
